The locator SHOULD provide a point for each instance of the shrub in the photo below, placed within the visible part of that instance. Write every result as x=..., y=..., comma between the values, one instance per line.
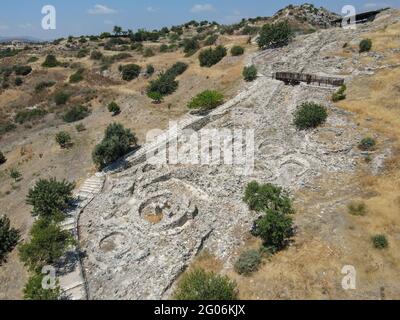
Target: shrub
x=210, y=57
x=190, y=46
x=43, y=85
x=80, y=127
x=155, y=96
x=365, y=45
x=340, y=94
x=211, y=40
x=117, y=142
x=206, y=100
x=63, y=139
x=150, y=69
x=96, y=55
x=48, y=243
x=6, y=127
x=237, y=51
x=61, y=98
x=9, y=238
x=248, y=262
x=177, y=69
x=310, y=115
x=2, y=158
x=275, y=229
x=114, y=108
x=201, y=285
x=380, y=241
x=29, y=115
x=22, y=70
x=50, y=197
x=32, y=59
x=267, y=196
x=15, y=174
x=82, y=53
x=76, y=113
x=34, y=290
x=367, y=144
x=130, y=71
x=77, y=76
x=275, y=35
x=165, y=84
x=164, y=48
x=18, y=81
x=148, y=52
x=357, y=208
x=250, y=73
x=50, y=62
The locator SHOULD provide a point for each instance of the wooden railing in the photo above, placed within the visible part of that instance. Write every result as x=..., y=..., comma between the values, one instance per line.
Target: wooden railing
x=294, y=78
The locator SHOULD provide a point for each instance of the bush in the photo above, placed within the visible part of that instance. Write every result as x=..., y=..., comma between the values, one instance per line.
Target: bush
x=365, y=45
x=15, y=174
x=150, y=69
x=165, y=84
x=275, y=35
x=50, y=62
x=275, y=229
x=211, y=40
x=96, y=55
x=117, y=142
x=201, y=285
x=61, y=98
x=210, y=57
x=9, y=238
x=357, y=208
x=22, y=70
x=248, y=262
x=310, y=115
x=340, y=94
x=43, y=85
x=164, y=48
x=82, y=53
x=367, y=144
x=76, y=113
x=29, y=115
x=34, y=290
x=6, y=126
x=148, y=52
x=48, y=243
x=177, y=69
x=267, y=197
x=50, y=197
x=237, y=51
x=380, y=241
x=2, y=158
x=250, y=73
x=77, y=76
x=63, y=139
x=32, y=59
x=155, y=96
x=80, y=127
x=130, y=71
x=206, y=100
x=18, y=81
x=190, y=46
x=114, y=108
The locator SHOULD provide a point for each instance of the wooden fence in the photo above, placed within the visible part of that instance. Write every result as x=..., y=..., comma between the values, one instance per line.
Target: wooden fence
x=294, y=78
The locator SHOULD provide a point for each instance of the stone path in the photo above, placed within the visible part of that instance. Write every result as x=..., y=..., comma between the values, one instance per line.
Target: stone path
x=69, y=270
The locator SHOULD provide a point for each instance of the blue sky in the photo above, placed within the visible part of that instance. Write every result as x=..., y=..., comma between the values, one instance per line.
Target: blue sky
x=23, y=17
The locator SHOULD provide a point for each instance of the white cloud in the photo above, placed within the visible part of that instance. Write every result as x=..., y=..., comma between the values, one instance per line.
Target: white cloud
x=101, y=9
x=151, y=9
x=202, y=8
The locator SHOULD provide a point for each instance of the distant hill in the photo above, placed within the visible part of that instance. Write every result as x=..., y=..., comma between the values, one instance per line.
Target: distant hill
x=21, y=38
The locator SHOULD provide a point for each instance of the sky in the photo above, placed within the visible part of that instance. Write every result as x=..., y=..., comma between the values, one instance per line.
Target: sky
x=24, y=17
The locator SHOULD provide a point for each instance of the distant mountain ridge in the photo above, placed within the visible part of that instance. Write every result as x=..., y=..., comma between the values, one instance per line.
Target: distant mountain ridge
x=20, y=38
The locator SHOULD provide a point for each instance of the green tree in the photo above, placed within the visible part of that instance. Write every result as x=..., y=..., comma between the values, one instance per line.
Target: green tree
x=9, y=238
x=155, y=96
x=190, y=46
x=34, y=290
x=380, y=241
x=117, y=30
x=61, y=98
x=275, y=35
x=149, y=69
x=48, y=244
x=63, y=139
x=117, y=142
x=76, y=113
x=365, y=45
x=210, y=57
x=130, y=71
x=165, y=84
x=207, y=100
x=367, y=144
x=237, y=51
x=310, y=115
x=201, y=285
x=275, y=229
x=114, y=108
x=50, y=197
